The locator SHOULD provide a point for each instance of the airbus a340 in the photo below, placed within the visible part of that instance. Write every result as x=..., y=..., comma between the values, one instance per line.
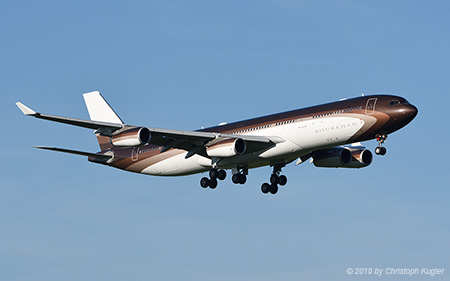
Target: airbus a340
x=328, y=134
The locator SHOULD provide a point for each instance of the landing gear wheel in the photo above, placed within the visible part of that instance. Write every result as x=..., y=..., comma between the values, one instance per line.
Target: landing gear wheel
x=213, y=173
x=204, y=182
x=378, y=150
x=274, y=189
x=221, y=175
x=212, y=183
x=282, y=180
x=242, y=178
x=236, y=178
x=265, y=188
x=274, y=179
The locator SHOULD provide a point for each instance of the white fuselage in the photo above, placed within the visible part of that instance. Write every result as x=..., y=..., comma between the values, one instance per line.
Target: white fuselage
x=294, y=138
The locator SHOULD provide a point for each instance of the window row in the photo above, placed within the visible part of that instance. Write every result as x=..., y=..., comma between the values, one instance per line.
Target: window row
x=338, y=111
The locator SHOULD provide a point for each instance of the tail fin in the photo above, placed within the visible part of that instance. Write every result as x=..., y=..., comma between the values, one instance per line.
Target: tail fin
x=100, y=110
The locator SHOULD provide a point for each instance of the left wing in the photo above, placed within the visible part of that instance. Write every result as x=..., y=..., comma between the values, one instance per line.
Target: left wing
x=96, y=125
x=107, y=123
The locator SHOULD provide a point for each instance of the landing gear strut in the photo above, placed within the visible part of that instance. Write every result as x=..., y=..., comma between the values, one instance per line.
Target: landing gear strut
x=380, y=149
x=211, y=182
x=275, y=180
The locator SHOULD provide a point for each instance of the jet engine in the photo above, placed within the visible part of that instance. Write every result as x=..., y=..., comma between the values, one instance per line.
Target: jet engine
x=132, y=137
x=342, y=157
x=361, y=157
x=227, y=148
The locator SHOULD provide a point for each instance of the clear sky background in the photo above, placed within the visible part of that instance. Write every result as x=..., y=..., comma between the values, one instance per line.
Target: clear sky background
x=187, y=64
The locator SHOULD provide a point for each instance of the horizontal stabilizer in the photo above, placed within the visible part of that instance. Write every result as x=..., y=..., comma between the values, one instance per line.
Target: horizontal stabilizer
x=83, y=153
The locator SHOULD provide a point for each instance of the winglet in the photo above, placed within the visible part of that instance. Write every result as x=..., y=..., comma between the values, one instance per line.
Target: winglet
x=25, y=109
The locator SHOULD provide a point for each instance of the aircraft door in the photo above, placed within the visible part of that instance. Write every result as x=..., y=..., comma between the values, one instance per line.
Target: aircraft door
x=135, y=153
x=370, y=106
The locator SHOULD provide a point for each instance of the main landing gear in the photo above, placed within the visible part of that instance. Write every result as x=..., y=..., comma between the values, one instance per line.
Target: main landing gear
x=381, y=150
x=211, y=182
x=275, y=180
x=239, y=175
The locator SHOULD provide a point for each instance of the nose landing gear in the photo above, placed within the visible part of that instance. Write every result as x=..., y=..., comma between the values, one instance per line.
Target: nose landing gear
x=381, y=150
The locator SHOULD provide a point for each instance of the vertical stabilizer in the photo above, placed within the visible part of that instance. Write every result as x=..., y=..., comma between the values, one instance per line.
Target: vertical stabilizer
x=99, y=109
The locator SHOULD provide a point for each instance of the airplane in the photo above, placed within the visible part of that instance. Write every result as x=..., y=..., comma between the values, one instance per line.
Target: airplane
x=330, y=135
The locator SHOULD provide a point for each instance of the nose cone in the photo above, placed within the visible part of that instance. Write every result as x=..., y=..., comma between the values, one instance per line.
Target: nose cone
x=404, y=115
x=400, y=116
x=411, y=112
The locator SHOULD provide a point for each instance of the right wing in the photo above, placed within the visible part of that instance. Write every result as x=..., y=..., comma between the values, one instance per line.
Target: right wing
x=195, y=142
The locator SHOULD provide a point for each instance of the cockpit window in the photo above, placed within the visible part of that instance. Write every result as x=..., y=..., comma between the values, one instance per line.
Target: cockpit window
x=399, y=101
x=394, y=102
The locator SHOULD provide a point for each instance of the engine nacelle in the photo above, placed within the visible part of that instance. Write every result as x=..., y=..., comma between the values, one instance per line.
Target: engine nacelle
x=227, y=148
x=360, y=158
x=132, y=137
x=332, y=158
x=342, y=157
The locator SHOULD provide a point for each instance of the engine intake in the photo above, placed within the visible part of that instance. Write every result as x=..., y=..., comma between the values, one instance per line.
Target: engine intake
x=132, y=137
x=227, y=148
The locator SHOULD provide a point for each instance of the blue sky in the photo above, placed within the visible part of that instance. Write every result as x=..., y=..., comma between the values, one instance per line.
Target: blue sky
x=187, y=64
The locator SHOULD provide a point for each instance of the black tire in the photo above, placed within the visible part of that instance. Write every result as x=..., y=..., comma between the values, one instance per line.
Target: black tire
x=378, y=150
x=221, y=175
x=274, y=179
x=265, y=188
x=204, y=182
x=383, y=151
x=274, y=189
x=212, y=183
x=235, y=178
x=242, y=179
x=213, y=173
x=282, y=180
